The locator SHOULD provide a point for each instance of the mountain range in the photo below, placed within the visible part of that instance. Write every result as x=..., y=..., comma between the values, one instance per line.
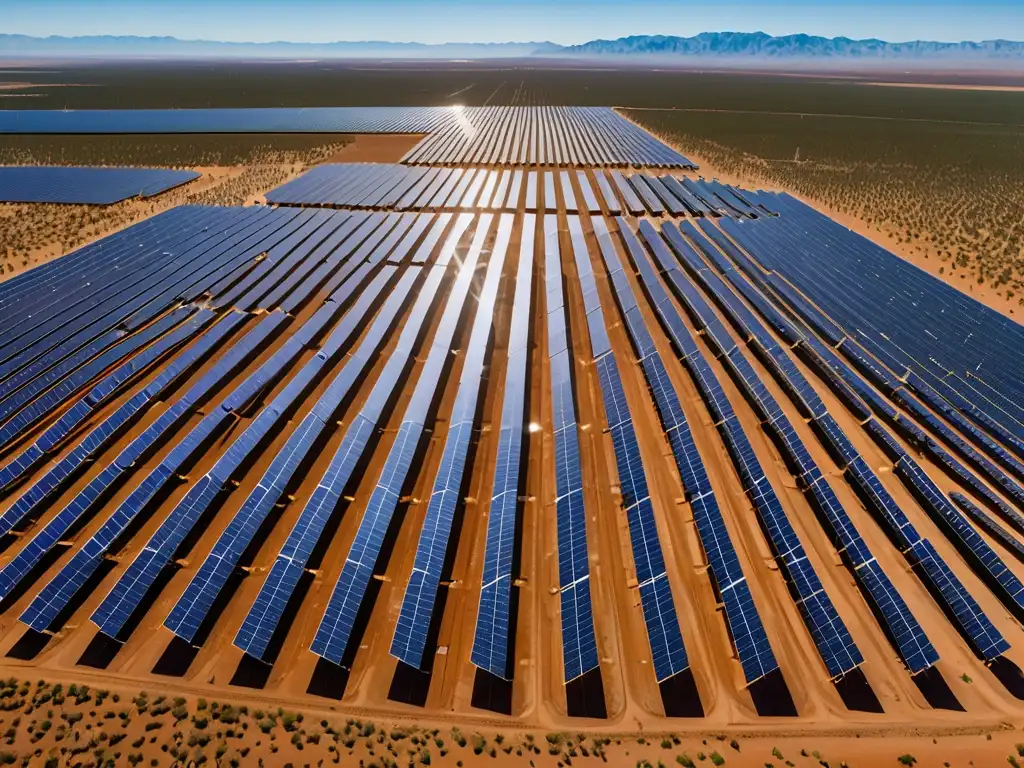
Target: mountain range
x=714, y=45
x=759, y=44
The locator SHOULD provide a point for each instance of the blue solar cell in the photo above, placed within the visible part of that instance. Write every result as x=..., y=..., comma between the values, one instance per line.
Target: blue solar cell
x=92, y=186
x=409, y=642
x=192, y=609
x=835, y=440
x=261, y=622
x=978, y=553
x=579, y=643
x=915, y=649
x=989, y=525
x=969, y=618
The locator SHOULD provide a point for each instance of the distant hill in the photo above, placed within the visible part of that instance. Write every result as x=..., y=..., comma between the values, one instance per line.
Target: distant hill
x=115, y=46
x=718, y=45
x=759, y=44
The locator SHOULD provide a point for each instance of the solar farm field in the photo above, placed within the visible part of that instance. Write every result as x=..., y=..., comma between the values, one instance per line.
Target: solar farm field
x=231, y=169
x=529, y=441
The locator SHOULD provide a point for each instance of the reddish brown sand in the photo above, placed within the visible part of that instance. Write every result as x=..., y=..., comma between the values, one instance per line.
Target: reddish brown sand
x=376, y=148
x=929, y=262
x=953, y=87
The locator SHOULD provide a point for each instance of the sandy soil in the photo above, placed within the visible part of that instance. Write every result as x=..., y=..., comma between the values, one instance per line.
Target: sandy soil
x=376, y=148
x=916, y=255
x=953, y=87
x=93, y=720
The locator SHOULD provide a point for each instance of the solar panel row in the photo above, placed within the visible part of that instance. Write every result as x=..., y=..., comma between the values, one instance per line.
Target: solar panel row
x=666, y=640
x=193, y=608
x=494, y=620
x=964, y=611
x=410, y=639
x=89, y=186
x=127, y=594
x=73, y=513
x=977, y=552
x=36, y=497
x=400, y=187
x=990, y=526
x=154, y=341
x=745, y=626
x=586, y=136
x=263, y=617
x=260, y=120
x=830, y=634
x=336, y=627
x=579, y=642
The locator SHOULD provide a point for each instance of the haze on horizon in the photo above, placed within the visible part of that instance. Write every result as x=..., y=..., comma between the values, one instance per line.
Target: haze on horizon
x=482, y=21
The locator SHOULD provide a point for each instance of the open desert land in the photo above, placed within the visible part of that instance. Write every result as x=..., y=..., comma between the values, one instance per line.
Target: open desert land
x=895, y=160
x=422, y=324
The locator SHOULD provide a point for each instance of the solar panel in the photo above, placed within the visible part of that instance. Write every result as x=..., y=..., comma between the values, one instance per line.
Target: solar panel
x=632, y=201
x=130, y=589
x=611, y=202
x=331, y=640
x=260, y=623
x=409, y=642
x=92, y=186
x=192, y=609
x=589, y=198
x=639, y=183
x=989, y=525
x=971, y=620
x=915, y=649
x=579, y=644
x=491, y=639
x=979, y=554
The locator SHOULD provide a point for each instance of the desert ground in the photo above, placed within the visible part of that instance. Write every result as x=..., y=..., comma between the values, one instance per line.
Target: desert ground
x=71, y=701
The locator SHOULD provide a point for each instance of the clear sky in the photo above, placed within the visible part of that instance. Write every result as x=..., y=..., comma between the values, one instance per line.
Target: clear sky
x=561, y=21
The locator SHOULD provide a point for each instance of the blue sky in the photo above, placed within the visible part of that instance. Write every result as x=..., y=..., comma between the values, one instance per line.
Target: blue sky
x=562, y=21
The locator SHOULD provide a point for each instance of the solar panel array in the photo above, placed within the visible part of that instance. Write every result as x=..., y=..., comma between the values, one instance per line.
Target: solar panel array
x=968, y=355
x=581, y=136
x=965, y=613
x=830, y=634
x=331, y=641
x=87, y=186
x=252, y=120
x=660, y=614
x=384, y=186
x=494, y=620
x=281, y=395
x=746, y=628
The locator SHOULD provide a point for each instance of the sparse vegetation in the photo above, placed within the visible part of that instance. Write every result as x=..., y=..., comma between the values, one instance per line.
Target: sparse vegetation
x=899, y=177
x=33, y=233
